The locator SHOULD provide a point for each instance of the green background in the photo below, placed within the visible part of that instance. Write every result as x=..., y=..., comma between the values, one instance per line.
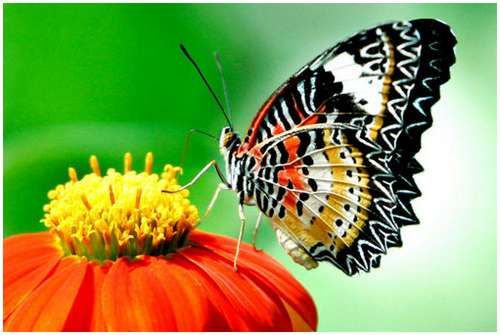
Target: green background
x=106, y=79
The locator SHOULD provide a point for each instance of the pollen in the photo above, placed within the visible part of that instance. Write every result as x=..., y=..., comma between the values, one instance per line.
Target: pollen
x=106, y=217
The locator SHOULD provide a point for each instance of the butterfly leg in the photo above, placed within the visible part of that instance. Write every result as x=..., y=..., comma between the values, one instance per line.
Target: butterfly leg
x=254, y=237
x=200, y=174
x=240, y=237
x=214, y=199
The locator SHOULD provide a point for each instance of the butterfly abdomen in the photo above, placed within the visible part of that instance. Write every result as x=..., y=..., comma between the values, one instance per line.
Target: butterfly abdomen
x=298, y=254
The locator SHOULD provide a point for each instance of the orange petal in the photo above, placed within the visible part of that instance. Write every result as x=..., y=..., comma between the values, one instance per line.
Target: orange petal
x=219, y=306
x=263, y=266
x=48, y=306
x=298, y=323
x=229, y=319
x=258, y=310
x=185, y=290
x=28, y=260
x=86, y=314
x=134, y=300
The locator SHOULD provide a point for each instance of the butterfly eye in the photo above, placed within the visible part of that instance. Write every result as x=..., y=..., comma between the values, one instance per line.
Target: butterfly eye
x=228, y=138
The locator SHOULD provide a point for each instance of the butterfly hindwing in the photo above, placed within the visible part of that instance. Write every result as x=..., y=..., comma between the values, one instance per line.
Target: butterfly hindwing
x=322, y=196
x=335, y=144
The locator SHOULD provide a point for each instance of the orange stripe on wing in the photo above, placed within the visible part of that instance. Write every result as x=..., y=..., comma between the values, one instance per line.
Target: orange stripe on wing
x=292, y=145
x=311, y=119
x=256, y=123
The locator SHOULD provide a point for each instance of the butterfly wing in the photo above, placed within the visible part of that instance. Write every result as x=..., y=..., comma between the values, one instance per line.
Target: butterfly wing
x=335, y=144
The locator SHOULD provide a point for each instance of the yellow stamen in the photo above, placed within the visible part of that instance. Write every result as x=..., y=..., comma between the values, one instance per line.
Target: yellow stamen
x=72, y=175
x=122, y=214
x=85, y=201
x=149, y=163
x=127, y=162
x=138, y=198
x=111, y=195
x=94, y=165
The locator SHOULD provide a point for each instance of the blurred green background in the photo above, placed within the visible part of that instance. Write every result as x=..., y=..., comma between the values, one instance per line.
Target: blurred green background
x=106, y=79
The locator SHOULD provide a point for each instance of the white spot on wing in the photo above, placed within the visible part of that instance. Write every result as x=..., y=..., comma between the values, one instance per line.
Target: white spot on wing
x=343, y=67
x=369, y=89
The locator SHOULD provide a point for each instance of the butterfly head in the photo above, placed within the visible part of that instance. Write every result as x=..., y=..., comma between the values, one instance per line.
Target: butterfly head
x=228, y=140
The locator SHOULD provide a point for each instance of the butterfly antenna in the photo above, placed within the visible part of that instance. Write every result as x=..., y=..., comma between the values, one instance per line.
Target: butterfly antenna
x=186, y=53
x=224, y=85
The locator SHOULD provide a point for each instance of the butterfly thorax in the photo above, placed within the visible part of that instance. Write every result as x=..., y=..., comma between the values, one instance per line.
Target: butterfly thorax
x=238, y=167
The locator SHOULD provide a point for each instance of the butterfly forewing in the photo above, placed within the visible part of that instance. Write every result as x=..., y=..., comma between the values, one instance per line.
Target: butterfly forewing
x=334, y=145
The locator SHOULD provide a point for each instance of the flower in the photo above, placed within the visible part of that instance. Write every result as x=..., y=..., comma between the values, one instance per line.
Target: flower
x=120, y=255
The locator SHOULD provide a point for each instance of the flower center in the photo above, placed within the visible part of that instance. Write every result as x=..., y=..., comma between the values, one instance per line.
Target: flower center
x=105, y=217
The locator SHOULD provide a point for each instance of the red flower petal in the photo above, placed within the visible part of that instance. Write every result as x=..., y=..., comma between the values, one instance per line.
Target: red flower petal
x=48, y=306
x=28, y=259
x=192, y=309
x=258, y=310
x=133, y=300
x=263, y=266
x=194, y=289
x=298, y=322
x=219, y=305
x=86, y=314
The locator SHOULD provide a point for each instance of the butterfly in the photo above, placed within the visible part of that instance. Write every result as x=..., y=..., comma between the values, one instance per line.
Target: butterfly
x=329, y=157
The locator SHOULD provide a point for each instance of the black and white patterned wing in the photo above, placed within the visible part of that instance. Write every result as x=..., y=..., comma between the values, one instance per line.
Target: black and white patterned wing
x=374, y=92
